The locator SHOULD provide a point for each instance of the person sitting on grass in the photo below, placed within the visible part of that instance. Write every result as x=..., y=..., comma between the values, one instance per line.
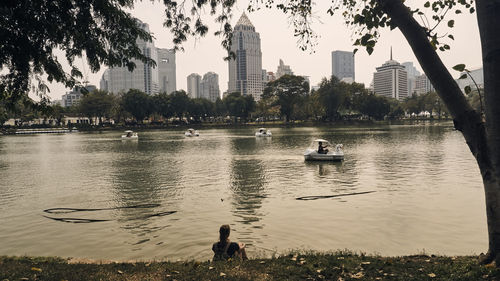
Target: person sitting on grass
x=225, y=249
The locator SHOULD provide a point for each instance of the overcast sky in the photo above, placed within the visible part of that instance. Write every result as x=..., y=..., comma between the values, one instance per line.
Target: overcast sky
x=277, y=42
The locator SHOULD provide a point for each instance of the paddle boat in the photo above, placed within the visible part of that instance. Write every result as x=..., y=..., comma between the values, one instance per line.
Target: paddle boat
x=262, y=132
x=191, y=133
x=318, y=151
x=130, y=135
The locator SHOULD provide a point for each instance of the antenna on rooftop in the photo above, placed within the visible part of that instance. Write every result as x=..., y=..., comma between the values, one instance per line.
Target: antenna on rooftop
x=391, y=52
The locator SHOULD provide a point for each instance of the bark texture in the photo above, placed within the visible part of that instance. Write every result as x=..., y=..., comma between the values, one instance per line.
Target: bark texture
x=482, y=138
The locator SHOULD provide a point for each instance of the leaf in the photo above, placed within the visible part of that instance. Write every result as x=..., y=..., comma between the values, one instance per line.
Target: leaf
x=451, y=37
x=463, y=76
x=36, y=269
x=459, y=67
x=427, y=4
x=222, y=274
x=451, y=23
x=119, y=271
x=467, y=89
x=431, y=275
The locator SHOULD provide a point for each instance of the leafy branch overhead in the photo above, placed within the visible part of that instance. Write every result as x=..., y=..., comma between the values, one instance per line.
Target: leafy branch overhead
x=32, y=31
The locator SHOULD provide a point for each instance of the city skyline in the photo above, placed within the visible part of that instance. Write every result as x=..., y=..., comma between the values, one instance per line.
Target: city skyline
x=205, y=54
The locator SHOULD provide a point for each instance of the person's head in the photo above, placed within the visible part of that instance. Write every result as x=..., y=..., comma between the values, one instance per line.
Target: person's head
x=320, y=143
x=224, y=231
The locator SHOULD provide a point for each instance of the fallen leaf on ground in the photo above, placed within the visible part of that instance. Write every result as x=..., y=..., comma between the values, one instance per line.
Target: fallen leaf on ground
x=119, y=271
x=36, y=269
x=210, y=267
x=431, y=275
x=365, y=262
x=262, y=262
x=222, y=274
x=358, y=275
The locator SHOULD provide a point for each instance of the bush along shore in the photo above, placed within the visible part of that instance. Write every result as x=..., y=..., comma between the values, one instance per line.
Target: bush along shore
x=338, y=266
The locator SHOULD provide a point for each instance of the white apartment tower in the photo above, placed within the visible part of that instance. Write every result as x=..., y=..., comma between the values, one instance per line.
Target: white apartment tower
x=343, y=65
x=144, y=77
x=245, y=71
x=210, y=86
x=193, y=85
x=391, y=80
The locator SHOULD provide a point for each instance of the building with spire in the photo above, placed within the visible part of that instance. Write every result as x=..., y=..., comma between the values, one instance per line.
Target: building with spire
x=245, y=70
x=391, y=80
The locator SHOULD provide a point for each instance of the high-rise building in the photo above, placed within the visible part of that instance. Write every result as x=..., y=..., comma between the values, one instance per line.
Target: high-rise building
x=343, y=65
x=283, y=70
x=245, y=71
x=391, y=80
x=166, y=70
x=193, y=85
x=144, y=77
x=74, y=96
x=413, y=73
x=210, y=86
x=423, y=85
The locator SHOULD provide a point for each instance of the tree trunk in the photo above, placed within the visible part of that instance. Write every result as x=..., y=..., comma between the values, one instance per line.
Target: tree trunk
x=483, y=139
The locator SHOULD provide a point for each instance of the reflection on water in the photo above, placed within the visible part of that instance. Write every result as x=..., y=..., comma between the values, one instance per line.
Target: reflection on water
x=426, y=192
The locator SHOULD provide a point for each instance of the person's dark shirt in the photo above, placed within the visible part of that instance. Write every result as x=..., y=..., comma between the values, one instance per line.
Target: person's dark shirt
x=218, y=249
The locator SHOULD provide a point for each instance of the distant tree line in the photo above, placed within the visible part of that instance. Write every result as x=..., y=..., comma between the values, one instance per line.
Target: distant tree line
x=287, y=98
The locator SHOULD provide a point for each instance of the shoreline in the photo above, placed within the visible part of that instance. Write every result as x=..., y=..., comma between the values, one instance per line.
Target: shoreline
x=8, y=130
x=342, y=265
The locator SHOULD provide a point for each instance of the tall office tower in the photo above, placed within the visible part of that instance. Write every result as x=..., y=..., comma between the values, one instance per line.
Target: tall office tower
x=423, y=85
x=210, y=86
x=166, y=70
x=343, y=65
x=283, y=70
x=245, y=71
x=413, y=73
x=193, y=85
x=144, y=77
x=391, y=80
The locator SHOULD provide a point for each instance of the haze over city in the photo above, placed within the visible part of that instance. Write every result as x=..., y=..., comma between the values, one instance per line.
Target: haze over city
x=206, y=54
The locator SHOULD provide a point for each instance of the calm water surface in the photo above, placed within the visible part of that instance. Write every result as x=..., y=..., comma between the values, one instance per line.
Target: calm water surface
x=428, y=193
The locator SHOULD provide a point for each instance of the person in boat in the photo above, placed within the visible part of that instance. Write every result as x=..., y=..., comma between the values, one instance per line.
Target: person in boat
x=129, y=134
x=322, y=149
x=225, y=249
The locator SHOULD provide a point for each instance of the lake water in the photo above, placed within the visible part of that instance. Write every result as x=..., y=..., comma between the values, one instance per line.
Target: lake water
x=428, y=193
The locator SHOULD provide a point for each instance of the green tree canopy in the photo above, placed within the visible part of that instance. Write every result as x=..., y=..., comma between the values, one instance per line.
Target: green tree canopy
x=32, y=30
x=287, y=92
x=138, y=104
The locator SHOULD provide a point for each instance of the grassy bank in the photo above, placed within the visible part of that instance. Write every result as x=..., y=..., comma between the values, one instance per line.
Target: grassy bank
x=338, y=266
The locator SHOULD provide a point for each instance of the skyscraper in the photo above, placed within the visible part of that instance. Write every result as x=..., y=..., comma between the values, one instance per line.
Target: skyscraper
x=193, y=85
x=413, y=73
x=391, y=80
x=283, y=69
x=343, y=65
x=245, y=71
x=210, y=86
x=166, y=70
x=144, y=77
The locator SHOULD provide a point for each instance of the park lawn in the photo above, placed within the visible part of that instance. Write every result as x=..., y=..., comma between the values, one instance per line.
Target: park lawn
x=339, y=266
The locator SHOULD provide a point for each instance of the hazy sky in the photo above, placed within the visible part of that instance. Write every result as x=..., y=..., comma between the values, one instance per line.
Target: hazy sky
x=277, y=42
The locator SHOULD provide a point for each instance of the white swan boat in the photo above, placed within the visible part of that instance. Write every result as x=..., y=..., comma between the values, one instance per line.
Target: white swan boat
x=191, y=133
x=325, y=154
x=262, y=132
x=130, y=135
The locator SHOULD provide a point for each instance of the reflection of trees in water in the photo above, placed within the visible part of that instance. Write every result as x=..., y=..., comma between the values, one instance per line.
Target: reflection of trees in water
x=141, y=177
